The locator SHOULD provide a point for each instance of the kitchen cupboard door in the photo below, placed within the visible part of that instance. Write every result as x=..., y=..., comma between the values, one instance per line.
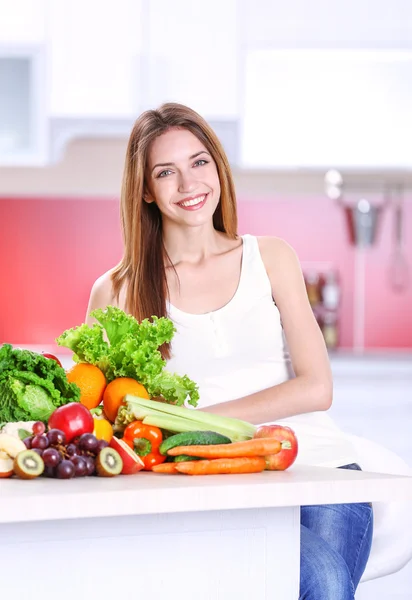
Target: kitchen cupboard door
x=192, y=51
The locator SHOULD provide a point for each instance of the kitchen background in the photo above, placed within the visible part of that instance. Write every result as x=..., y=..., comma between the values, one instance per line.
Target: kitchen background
x=313, y=103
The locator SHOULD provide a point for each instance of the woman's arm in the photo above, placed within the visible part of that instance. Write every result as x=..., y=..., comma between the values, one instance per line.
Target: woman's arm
x=101, y=296
x=311, y=389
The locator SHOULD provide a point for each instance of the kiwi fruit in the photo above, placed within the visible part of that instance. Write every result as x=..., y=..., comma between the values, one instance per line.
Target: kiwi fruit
x=28, y=464
x=108, y=463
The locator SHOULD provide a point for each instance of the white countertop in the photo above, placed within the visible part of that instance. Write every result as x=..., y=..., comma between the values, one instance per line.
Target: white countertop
x=148, y=493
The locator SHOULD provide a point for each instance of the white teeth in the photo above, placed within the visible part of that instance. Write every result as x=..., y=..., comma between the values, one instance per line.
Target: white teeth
x=193, y=202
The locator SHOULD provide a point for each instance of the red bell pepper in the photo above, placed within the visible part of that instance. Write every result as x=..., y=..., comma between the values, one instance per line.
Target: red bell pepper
x=145, y=441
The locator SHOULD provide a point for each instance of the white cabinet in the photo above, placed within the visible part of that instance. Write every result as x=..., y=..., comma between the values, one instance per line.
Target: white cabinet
x=94, y=51
x=373, y=399
x=23, y=113
x=22, y=22
x=319, y=109
x=191, y=52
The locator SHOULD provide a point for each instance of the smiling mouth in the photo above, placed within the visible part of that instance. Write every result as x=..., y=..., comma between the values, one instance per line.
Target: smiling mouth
x=193, y=202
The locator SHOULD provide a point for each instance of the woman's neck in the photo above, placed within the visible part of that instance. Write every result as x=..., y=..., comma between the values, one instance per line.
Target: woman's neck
x=191, y=244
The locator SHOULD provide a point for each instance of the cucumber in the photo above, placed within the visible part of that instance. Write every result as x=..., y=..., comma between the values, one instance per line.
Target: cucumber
x=184, y=458
x=193, y=438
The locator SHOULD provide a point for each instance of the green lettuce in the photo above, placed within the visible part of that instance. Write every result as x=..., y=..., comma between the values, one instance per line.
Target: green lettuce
x=31, y=386
x=122, y=347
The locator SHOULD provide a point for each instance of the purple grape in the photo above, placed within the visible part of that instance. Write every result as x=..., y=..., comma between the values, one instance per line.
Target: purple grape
x=51, y=457
x=27, y=442
x=80, y=466
x=38, y=450
x=39, y=428
x=88, y=442
x=40, y=441
x=71, y=450
x=101, y=444
x=56, y=437
x=49, y=472
x=65, y=470
x=91, y=467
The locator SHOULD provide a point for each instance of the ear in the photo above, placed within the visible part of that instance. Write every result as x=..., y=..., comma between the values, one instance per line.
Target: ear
x=147, y=197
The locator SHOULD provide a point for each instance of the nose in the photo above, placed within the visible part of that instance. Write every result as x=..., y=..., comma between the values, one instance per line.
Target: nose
x=187, y=182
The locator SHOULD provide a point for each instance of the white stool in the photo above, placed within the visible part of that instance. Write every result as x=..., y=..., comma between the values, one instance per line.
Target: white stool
x=392, y=537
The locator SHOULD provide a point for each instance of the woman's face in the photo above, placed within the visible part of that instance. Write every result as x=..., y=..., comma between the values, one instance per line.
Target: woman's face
x=182, y=178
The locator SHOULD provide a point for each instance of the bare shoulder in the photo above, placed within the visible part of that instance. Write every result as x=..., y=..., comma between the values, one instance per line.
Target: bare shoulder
x=101, y=294
x=278, y=255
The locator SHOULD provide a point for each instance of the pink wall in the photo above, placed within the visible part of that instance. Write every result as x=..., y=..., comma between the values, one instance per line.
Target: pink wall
x=52, y=250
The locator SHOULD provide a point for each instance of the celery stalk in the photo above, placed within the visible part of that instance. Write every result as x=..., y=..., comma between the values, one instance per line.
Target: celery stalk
x=179, y=425
x=180, y=418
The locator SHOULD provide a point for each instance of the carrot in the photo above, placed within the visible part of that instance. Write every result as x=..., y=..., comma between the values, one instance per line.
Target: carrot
x=251, y=464
x=255, y=447
x=169, y=468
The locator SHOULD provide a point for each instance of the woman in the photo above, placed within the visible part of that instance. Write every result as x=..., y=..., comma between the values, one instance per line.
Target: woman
x=245, y=330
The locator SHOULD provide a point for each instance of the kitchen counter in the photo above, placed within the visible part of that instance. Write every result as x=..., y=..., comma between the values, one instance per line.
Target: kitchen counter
x=169, y=536
x=148, y=493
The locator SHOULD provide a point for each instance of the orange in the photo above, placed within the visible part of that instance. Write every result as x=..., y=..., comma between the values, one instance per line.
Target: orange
x=116, y=391
x=91, y=382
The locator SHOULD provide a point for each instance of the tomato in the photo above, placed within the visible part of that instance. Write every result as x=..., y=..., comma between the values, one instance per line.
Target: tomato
x=52, y=357
x=145, y=441
x=287, y=456
x=73, y=419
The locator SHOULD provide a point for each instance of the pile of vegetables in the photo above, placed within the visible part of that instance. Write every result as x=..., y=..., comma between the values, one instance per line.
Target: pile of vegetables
x=203, y=443
x=122, y=347
x=31, y=386
x=55, y=429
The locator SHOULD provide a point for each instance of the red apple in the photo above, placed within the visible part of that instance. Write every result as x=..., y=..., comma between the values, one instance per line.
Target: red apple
x=132, y=463
x=287, y=456
x=73, y=419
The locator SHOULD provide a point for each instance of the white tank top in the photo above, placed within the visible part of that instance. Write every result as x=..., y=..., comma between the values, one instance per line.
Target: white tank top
x=241, y=349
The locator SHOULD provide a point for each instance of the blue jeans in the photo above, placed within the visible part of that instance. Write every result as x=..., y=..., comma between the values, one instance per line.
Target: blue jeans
x=335, y=546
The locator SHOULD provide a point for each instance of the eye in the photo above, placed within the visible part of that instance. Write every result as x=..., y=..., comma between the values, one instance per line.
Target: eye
x=200, y=162
x=163, y=173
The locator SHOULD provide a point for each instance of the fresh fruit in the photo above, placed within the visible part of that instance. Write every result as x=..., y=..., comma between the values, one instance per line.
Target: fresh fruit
x=193, y=438
x=145, y=440
x=100, y=445
x=11, y=445
x=286, y=436
x=132, y=463
x=65, y=470
x=38, y=428
x=28, y=464
x=103, y=429
x=80, y=466
x=6, y=465
x=51, y=457
x=88, y=442
x=52, y=357
x=109, y=463
x=90, y=464
x=56, y=437
x=73, y=419
x=116, y=391
x=91, y=381
x=39, y=441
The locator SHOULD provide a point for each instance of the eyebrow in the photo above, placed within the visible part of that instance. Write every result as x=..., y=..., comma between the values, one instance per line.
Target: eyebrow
x=171, y=164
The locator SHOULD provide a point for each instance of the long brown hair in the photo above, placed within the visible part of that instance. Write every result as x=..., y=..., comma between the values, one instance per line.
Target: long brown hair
x=142, y=269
